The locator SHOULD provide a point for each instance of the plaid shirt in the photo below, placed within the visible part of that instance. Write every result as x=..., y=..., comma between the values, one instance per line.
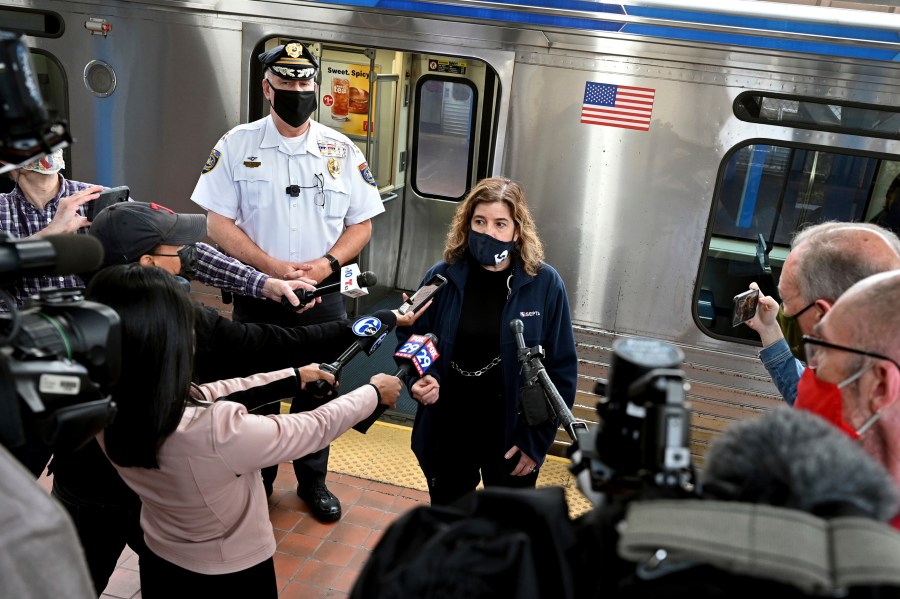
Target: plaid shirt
x=20, y=218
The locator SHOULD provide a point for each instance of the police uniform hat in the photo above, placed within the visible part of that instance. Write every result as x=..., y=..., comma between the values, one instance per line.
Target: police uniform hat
x=292, y=60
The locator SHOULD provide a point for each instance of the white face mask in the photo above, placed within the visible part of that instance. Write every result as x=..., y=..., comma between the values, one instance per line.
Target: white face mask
x=49, y=164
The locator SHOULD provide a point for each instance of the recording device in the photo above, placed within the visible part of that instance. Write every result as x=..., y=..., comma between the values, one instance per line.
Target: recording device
x=26, y=128
x=59, y=354
x=744, y=306
x=643, y=439
x=539, y=392
x=418, y=353
x=423, y=294
x=352, y=284
x=370, y=331
x=107, y=198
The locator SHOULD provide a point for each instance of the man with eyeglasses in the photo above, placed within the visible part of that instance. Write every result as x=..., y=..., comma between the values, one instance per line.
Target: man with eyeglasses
x=293, y=198
x=853, y=354
x=825, y=260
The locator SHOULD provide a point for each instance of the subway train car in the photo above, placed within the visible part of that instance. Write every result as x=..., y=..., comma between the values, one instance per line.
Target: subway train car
x=668, y=149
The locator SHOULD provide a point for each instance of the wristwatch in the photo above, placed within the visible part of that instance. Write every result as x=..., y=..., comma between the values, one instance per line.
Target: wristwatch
x=335, y=265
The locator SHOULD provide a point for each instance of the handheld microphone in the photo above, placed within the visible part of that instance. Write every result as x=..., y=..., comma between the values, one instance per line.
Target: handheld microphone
x=370, y=331
x=419, y=353
x=50, y=255
x=352, y=284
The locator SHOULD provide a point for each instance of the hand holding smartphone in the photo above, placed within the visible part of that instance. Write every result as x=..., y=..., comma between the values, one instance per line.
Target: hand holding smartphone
x=423, y=294
x=744, y=307
x=107, y=197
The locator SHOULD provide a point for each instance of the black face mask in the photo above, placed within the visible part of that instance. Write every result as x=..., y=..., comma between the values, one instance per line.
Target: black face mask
x=294, y=108
x=188, y=257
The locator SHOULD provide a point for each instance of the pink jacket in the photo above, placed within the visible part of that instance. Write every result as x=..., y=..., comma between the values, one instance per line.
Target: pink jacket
x=205, y=509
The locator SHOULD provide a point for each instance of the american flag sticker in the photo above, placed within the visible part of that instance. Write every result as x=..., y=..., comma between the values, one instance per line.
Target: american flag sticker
x=617, y=106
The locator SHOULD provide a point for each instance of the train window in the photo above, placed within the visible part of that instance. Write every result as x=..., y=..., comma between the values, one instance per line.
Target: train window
x=38, y=23
x=807, y=113
x=443, y=136
x=765, y=193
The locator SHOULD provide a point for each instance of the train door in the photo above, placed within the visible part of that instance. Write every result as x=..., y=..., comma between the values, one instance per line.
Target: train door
x=426, y=124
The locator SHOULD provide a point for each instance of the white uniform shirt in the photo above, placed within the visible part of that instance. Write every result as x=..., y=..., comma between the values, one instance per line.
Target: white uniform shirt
x=248, y=171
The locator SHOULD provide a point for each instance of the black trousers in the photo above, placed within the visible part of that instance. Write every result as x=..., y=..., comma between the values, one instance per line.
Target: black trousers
x=449, y=482
x=163, y=579
x=310, y=468
x=103, y=531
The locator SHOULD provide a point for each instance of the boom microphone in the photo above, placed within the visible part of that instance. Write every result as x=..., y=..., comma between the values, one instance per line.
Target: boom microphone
x=370, y=332
x=418, y=353
x=352, y=284
x=50, y=255
x=795, y=459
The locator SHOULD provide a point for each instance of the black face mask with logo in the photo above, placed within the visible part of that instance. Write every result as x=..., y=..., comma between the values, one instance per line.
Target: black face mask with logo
x=293, y=107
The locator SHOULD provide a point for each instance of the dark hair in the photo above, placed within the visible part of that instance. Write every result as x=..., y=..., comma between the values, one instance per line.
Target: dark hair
x=157, y=359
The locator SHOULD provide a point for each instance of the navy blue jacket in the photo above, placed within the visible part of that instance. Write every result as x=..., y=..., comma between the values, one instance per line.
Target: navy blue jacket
x=540, y=302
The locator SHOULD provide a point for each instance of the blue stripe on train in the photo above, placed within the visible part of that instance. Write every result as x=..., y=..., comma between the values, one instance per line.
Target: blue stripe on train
x=661, y=30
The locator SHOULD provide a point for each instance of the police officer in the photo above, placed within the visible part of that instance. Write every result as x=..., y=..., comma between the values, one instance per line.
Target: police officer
x=292, y=198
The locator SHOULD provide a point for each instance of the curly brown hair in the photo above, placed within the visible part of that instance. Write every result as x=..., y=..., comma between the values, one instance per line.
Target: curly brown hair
x=488, y=191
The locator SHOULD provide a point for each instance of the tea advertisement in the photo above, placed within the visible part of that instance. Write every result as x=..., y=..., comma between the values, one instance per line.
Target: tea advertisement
x=345, y=97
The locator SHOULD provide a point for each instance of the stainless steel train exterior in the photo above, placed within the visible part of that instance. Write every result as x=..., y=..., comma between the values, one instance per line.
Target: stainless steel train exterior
x=754, y=118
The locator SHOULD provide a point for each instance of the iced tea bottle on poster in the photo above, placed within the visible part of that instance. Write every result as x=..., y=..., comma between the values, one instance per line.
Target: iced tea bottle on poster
x=340, y=89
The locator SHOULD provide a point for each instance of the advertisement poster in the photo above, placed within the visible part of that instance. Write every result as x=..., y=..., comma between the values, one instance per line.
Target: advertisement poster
x=345, y=97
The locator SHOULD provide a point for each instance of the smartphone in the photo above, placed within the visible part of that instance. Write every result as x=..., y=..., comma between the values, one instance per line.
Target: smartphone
x=423, y=294
x=744, y=306
x=108, y=197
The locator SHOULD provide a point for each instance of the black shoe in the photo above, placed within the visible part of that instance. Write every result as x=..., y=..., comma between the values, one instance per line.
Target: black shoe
x=323, y=504
x=268, y=487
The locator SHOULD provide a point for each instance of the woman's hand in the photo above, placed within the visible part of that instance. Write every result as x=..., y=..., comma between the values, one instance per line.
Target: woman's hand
x=389, y=388
x=426, y=390
x=311, y=372
x=525, y=466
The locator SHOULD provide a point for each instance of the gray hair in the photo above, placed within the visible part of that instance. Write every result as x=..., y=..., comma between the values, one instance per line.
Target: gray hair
x=835, y=255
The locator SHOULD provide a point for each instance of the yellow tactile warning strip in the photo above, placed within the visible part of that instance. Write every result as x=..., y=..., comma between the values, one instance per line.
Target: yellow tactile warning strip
x=383, y=454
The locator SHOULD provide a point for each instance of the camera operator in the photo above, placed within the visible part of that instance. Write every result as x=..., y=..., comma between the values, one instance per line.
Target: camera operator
x=105, y=511
x=35, y=532
x=44, y=202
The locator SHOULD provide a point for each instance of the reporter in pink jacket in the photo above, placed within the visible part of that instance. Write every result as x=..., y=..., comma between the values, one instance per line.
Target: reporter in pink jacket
x=193, y=458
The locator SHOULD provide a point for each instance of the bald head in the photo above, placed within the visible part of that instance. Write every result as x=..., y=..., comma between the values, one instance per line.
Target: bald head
x=831, y=257
x=871, y=310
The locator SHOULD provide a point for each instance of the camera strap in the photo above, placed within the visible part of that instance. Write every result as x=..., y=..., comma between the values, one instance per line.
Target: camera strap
x=816, y=555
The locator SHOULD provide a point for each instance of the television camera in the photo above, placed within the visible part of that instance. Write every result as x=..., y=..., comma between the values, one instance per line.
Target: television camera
x=642, y=443
x=58, y=353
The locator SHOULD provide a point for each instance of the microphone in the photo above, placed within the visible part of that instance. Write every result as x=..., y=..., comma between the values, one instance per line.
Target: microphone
x=792, y=458
x=370, y=332
x=352, y=284
x=51, y=255
x=419, y=353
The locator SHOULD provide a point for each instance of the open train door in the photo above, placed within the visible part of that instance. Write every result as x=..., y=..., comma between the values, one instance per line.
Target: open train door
x=452, y=143
x=429, y=124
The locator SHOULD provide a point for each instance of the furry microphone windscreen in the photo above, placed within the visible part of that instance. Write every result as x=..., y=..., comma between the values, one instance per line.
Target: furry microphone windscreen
x=794, y=459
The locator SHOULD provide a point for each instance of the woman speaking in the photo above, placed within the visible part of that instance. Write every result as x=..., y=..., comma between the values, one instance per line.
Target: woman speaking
x=469, y=425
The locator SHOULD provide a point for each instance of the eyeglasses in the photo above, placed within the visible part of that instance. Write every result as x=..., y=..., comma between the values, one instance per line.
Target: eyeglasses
x=318, y=185
x=812, y=347
x=170, y=255
x=797, y=315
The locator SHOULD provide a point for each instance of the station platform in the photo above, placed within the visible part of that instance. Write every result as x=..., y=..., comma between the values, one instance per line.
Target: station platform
x=377, y=479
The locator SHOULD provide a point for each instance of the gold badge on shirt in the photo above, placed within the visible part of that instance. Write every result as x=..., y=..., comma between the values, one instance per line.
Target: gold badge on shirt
x=251, y=162
x=334, y=167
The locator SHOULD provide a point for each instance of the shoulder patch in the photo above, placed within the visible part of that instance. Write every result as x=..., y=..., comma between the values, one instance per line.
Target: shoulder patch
x=367, y=174
x=212, y=161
